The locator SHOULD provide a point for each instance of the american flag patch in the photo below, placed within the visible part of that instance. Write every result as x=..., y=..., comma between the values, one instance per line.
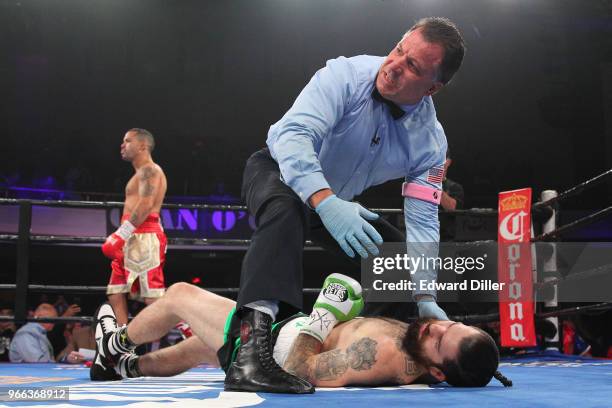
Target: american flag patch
x=435, y=175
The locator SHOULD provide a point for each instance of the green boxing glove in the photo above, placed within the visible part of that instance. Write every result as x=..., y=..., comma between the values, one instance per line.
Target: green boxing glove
x=340, y=300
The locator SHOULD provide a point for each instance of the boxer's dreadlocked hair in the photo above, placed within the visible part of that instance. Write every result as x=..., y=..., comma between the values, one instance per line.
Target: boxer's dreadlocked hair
x=502, y=379
x=476, y=363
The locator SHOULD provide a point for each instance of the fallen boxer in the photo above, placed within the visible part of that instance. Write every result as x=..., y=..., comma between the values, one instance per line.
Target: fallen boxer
x=330, y=348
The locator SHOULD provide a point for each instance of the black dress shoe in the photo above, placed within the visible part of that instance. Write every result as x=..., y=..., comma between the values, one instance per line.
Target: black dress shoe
x=254, y=369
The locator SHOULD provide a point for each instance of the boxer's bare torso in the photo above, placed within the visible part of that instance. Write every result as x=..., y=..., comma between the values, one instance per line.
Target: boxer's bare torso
x=364, y=351
x=147, y=184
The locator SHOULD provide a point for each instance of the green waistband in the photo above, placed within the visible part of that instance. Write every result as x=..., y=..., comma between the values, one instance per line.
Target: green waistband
x=228, y=322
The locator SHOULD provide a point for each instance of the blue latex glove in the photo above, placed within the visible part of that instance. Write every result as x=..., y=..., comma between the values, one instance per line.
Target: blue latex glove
x=429, y=308
x=346, y=222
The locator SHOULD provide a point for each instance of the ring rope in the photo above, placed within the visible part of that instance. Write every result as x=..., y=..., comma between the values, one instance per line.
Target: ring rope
x=102, y=289
x=220, y=207
x=71, y=319
x=576, y=189
x=172, y=241
x=589, y=273
x=599, y=307
x=470, y=319
x=589, y=219
x=104, y=204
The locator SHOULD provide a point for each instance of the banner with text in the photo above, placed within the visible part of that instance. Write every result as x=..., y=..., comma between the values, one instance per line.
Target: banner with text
x=516, y=307
x=196, y=223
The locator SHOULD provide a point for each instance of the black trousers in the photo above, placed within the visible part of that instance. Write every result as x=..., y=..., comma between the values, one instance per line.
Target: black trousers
x=272, y=268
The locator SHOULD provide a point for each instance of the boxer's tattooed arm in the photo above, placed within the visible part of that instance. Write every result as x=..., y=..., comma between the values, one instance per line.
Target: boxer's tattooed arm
x=359, y=356
x=330, y=365
x=303, y=348
x=146, y=187
x=135, y=217
x=148, y=179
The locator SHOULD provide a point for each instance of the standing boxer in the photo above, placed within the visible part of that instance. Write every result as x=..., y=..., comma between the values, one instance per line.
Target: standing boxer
x=138, y=247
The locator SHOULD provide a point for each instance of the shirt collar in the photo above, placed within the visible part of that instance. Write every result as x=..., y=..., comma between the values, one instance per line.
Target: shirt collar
x=396, y=111
x=36, y=327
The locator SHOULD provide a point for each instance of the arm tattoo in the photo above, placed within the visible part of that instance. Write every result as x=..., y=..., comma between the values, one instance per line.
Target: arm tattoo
x=361, y=355
x=147, y=173
x=330, y=365
x=134, y=217
x=303, y=347
x=145, y=188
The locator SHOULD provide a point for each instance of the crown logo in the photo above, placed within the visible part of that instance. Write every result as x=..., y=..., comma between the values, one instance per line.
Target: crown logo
x=514, y=202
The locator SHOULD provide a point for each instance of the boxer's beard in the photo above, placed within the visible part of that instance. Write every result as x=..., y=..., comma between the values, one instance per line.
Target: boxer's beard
x=413, y=345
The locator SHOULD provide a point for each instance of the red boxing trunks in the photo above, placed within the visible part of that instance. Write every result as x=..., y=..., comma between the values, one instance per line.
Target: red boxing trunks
x=140, y=272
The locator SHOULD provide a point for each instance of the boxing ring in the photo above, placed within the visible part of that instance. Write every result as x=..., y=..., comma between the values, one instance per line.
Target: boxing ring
x=541, y=378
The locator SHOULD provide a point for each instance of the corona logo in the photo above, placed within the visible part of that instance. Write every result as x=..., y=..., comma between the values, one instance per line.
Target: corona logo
x=514, y=202
x=514, y=268
x=512, y=226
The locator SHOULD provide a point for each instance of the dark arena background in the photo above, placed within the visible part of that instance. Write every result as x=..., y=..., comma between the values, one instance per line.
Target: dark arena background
x=531, y=106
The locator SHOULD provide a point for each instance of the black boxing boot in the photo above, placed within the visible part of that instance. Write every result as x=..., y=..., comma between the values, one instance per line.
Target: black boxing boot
x=254, y=369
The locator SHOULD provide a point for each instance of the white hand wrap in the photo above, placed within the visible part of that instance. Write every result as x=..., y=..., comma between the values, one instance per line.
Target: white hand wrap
x=125, y=230
x=319, y=324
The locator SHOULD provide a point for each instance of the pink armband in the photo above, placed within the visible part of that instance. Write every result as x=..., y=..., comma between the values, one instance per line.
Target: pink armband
x=425, y=193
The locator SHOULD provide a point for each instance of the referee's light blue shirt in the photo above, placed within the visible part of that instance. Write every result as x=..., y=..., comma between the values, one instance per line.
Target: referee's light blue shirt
x=336, y=135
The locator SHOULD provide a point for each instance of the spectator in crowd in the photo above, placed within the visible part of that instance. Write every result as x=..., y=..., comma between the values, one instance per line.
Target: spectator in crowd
x=30, y=343
x=57, y=336
x=7, y=331
x=80, y=337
